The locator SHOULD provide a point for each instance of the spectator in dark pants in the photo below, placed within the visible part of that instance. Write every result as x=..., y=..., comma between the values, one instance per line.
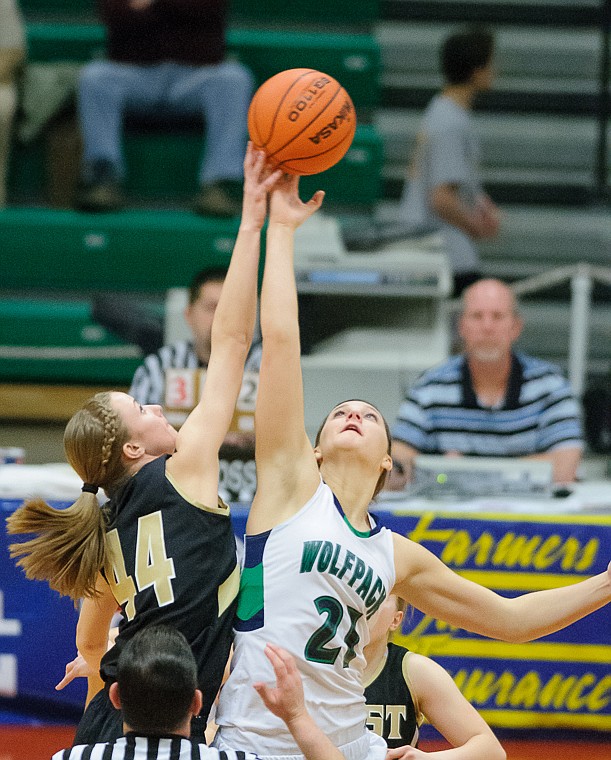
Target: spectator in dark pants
x=164, y=56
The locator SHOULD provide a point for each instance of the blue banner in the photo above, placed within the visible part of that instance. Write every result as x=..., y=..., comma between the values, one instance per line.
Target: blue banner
x=37, y=634
x=562, y=680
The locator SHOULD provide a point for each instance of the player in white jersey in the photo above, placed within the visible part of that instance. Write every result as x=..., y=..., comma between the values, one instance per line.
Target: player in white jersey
x=316, y=566
x=312, y=583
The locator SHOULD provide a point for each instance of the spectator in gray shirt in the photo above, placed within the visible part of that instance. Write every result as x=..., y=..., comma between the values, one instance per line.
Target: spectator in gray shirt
x=443, y=190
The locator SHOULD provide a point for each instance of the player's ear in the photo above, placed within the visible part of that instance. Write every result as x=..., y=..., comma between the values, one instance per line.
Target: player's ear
x=114, y=696
x=318, y=455
x=132, y=450
x=188, y=314
x=397, y=620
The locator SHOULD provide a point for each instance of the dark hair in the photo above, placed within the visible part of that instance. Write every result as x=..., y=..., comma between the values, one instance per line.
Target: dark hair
x=464, y=52
x=69, y=548
x=208, y=274
x=157, y=679
x=383, y=477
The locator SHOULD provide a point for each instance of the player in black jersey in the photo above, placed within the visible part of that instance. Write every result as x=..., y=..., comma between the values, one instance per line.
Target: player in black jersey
x=162, y=549
x=402, y=687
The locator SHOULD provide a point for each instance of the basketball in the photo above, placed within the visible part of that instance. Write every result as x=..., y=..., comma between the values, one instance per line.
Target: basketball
x=303, y=119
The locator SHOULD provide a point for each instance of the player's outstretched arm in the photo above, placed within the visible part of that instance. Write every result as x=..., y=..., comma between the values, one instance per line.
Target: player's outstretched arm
x=195, y=464
x=285, y=700
x=424, y=581
x=440, y=700
x=282, y=444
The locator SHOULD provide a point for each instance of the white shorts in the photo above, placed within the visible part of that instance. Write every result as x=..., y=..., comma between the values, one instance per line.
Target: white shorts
x=369, y=746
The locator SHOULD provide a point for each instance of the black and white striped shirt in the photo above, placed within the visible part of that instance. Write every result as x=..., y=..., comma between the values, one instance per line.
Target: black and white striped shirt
x=148, y=383
x=134, y=747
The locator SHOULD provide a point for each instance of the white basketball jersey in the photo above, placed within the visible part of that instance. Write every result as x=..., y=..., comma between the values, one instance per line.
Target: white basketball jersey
x=310, y=585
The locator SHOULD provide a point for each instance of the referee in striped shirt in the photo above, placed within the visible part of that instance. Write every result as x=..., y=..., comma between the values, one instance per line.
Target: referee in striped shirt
x=156, y=690
x=490, y=400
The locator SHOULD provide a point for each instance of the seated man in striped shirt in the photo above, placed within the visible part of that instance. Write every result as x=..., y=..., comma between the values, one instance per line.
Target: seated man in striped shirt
x=491, y=400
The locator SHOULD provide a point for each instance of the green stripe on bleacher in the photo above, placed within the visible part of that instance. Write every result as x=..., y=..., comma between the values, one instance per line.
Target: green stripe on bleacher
x=130, y=250
x=58, y=340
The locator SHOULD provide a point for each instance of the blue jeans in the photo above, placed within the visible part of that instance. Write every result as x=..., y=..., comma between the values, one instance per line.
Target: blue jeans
x=219, y=93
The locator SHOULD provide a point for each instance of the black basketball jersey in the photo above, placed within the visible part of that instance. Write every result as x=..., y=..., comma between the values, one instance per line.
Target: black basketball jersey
x=173, y=562
x=390, y=708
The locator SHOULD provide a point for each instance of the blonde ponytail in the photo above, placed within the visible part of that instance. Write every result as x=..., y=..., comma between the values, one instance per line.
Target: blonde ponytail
x=69, y=548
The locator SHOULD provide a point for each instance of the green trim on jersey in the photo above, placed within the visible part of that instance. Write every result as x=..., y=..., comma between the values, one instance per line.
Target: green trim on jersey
x=250, y=598
x=359, y=533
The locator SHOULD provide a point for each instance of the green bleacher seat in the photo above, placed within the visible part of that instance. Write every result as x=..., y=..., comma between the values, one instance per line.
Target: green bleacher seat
x=27, y=168
x=58, y=341
x=353, y=59
x=130, y=250
x=152, y=158
x=61, y=41
x=59, y=8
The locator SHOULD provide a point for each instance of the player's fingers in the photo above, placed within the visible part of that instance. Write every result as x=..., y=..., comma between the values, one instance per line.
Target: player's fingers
x=316, y=200
x=400, y=753
x=264, y=691
x=248, y=155
x=286, y=657
x=68, y=678
x=273, y=179
x=276, y=661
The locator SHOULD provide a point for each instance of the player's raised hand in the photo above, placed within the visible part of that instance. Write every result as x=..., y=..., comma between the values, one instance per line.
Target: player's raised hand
x=286, y=207
x=259, y=178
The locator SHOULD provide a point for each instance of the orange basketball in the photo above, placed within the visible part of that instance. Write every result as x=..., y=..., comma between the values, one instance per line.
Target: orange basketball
x=303, y=119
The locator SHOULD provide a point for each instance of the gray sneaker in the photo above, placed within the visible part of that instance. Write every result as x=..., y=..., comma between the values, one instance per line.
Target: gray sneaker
x=214, y=200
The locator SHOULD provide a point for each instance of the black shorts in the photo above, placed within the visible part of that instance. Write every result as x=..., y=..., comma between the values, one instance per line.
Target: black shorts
x=101, y=722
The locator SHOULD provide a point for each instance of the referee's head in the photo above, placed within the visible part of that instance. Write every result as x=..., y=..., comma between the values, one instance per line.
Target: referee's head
x=156, y=683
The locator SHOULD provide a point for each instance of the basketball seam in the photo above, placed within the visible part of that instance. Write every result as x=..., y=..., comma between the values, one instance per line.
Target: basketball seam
x=297, y=134
x=289, y=161
x=273, y=122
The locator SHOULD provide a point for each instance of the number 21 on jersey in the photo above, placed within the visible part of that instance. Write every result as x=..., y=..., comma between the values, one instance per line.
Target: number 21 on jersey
x=153, y=567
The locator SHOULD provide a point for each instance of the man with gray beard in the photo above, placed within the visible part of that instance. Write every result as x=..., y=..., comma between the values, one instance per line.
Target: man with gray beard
x=490, y=400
